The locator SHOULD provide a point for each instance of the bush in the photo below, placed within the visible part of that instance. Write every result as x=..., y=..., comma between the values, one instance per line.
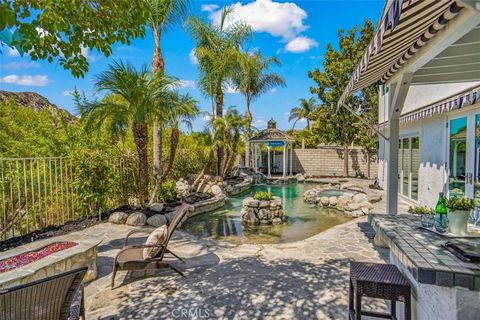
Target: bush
x=421, y=210
x=460, y=204
x=262, y=195
x=167, y=191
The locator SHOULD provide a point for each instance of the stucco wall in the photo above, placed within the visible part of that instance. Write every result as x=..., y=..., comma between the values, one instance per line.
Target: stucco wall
x=432, y=172
x=328, y=161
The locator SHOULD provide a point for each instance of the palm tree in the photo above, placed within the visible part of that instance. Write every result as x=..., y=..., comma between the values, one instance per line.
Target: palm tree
x=135, y=100
x=218, y=50
x=252, y=81
x=161, y=15
x=231, y=126
x=184, y=110
x=303, y=112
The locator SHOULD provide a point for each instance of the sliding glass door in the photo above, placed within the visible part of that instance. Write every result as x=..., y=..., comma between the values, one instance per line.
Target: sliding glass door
x=464, y=156
x=408, y=165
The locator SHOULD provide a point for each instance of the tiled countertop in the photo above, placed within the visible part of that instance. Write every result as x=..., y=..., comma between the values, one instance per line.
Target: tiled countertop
x=422, y=253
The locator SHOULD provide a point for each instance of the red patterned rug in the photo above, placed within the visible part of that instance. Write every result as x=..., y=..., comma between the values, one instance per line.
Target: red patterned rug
x=25, y=258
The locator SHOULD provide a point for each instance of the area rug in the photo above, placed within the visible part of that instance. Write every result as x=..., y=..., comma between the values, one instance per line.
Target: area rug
x=20, y=260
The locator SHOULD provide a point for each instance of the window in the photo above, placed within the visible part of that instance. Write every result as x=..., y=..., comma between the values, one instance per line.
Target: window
x=408, y=166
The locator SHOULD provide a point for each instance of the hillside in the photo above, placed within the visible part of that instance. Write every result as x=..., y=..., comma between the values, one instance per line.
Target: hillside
x=36, y=102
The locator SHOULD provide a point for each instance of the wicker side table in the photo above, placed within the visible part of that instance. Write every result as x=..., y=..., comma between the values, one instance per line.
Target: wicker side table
x=376, y=280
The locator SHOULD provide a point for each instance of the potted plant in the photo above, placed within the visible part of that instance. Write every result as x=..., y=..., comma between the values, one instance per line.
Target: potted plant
x=459, y=210
x=427, y=216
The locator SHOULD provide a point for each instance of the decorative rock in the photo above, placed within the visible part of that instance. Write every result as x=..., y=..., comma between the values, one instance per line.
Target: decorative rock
x=300, y=177
x=183, y=188
x=364, y=210
x=356, y=213
x=353, y=206
x=156, y=207
x=251, y=202
x=277, y=221
x=134, y=203
x=118, y=217
x=216, y=190
x=264, y=204
x=136, y=219
x=228, y=189
x=360, y=197
x=324, y=201
x=332, y=201
x=157, y=220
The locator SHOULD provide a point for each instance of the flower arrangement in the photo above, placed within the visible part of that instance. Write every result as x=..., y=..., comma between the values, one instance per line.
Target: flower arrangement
x=263, y=195
x=460, y=204
x=421, y=210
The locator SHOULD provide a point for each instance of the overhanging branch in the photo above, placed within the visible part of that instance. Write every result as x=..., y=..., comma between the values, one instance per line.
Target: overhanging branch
x=365, y=122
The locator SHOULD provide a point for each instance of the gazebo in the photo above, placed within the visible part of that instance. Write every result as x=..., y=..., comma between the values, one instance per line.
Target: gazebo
x=272, y=137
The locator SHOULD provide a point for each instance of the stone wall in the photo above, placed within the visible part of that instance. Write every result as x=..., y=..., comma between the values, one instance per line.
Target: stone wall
x=328, y=161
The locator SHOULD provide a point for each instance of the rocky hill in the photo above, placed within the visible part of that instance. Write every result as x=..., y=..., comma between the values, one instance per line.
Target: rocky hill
x=36, y=102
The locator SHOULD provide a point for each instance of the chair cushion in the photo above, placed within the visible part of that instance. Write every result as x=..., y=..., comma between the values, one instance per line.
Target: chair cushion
x=155, y=238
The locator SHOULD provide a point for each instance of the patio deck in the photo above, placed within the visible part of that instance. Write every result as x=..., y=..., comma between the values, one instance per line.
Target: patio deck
x=302, y=280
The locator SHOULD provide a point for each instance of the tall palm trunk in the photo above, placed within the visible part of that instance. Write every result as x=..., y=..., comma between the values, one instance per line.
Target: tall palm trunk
x=219, y=114
x=140, y=136
x=174, y=138
x=205, y=168
x=231, y=160
x=158, y=67
x=248, y=125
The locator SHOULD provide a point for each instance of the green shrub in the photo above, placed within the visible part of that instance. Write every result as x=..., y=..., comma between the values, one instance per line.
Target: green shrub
x=167, y=191
x=262, y=195
x=420, y=210
x=460, y=204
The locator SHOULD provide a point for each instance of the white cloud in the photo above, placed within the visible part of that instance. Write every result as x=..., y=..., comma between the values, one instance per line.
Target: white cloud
x=88, y=55
x=230, y=88
x=259, y=123
x=273, y=90
x=285, y=20
x=67, y=93
x=300, y=44
x=20, y=65
x=34, y=81
x=209, y=7
x=182, y=84
x=13, y=52
x=192, y=57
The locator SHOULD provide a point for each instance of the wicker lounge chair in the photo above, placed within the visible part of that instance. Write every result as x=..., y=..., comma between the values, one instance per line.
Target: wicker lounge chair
x=49, y=298
x=131, y=257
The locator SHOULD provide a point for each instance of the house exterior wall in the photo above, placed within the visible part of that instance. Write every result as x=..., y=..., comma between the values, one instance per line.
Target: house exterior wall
x=433, y=137
x=328, y=161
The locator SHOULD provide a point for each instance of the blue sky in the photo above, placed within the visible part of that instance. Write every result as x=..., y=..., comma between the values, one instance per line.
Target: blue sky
x=297, y=32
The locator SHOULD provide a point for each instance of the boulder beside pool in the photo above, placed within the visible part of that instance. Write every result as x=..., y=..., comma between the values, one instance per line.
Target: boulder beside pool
x=262, y=212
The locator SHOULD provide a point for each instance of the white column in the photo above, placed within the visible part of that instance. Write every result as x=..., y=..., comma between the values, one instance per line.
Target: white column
x=284, y=171
x=254, y=157
x=268, y=160
x=291, y=158
x=274, y=156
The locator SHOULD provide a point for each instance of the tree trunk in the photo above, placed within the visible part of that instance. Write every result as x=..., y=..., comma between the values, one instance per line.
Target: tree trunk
x=174, y=138
x=140, y=136
x=345, y=160
x=158, y=67
x=368, y=163
x=248, y=125
x=219, y=113
x=207, y=165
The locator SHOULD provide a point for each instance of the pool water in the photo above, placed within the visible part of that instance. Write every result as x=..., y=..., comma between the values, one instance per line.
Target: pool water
x=302, y=220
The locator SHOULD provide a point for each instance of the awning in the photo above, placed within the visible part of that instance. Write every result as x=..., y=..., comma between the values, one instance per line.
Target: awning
x=463, y=99
x=404, y=28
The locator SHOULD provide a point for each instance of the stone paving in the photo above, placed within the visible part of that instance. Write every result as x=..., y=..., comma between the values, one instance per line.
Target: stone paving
x=301, y=280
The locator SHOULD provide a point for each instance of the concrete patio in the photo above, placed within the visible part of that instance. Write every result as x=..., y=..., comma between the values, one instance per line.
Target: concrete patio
x=303, y=280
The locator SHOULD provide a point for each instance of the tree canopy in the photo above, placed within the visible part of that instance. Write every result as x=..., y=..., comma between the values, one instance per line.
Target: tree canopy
x=64, y=30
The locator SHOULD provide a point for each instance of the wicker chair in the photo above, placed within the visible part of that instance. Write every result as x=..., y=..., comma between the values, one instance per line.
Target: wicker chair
x=131, y=257
x=49, y=298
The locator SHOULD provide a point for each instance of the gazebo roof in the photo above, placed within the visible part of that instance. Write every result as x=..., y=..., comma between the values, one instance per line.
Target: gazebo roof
x=271, y=134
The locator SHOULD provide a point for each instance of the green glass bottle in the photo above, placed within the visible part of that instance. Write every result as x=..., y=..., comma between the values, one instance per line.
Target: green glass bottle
x=441, y=220
x=440, y=208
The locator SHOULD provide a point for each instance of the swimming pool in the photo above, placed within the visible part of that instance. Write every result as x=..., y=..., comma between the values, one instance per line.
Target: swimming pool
x=303, y=221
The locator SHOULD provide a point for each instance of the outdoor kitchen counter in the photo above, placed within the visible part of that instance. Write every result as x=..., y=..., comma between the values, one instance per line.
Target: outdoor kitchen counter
x=444, y=287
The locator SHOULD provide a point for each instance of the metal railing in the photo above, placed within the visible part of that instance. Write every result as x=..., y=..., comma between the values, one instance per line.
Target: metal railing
x=40, y=192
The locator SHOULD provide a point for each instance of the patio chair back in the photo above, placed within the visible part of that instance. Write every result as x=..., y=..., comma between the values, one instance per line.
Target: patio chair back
x=48, y=298
x=181, y=212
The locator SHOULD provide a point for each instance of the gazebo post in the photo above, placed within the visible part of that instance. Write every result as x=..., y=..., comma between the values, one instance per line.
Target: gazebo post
x=273, y=157
x=268, y=160
x=291, y=158
x=284, y=160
